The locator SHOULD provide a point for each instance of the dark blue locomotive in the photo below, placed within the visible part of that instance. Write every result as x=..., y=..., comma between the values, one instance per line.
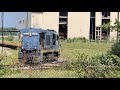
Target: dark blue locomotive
x=38, y=45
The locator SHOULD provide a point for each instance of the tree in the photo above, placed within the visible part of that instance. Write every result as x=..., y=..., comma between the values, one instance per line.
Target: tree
x=116, y=27
x=108, y=27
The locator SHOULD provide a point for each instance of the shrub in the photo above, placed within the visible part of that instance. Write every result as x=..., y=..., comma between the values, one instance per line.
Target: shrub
x=69, y=40
x=10, y=38
x=99, y=66
x=115, y=50
x=82, y=39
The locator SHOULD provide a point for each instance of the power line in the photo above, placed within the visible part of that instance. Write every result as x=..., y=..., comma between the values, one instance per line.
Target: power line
x=27, y=20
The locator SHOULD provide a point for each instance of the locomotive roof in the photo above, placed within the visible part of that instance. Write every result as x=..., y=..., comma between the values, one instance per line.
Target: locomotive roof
x=35, y=30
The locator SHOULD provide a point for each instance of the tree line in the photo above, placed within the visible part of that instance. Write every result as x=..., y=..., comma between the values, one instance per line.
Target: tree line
x=8, y=29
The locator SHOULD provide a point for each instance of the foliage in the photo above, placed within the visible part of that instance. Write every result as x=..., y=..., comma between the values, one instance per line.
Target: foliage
x=79, y=39
x=10, y=38
x=116, y=49
x=98, y=66
x=80, y=64
x=7, y=29
x=116, y=25
x=107, y=26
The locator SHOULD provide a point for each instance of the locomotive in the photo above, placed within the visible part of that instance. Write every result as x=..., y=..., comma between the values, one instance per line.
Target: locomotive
x=38, y=45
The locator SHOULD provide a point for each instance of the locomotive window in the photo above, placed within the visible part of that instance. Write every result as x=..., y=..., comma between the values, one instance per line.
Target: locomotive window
x=57, y=37
x=54, y=39
x=48, y=40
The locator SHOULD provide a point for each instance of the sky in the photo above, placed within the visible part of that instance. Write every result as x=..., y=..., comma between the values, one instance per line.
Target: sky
x=11, y=19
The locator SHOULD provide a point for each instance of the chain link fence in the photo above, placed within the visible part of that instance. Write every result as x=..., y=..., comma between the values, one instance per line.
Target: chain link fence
x=83, y=67
x=63, y=68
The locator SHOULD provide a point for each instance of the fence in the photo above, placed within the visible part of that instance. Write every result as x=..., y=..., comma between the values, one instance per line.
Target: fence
x=63, y=68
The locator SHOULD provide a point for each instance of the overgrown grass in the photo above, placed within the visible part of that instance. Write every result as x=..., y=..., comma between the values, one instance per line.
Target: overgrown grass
x=10, y=56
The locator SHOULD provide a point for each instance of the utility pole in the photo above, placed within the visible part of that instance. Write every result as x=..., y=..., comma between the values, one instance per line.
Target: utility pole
x=2, y=22
x=27, y=20
x=117, y=24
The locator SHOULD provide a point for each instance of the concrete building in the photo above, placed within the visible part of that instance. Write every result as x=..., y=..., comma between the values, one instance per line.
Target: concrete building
x=74, y=24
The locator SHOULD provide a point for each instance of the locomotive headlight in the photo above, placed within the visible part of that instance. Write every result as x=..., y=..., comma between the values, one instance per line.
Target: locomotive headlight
x=30, y=34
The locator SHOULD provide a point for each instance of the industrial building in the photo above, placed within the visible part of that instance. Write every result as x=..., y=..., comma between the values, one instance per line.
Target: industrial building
x=73, y=24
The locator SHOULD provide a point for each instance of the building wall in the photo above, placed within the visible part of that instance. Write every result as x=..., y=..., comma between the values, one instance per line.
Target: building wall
x=78, y=24
x=51, y=21
x=98, y=21
x=45, y=20
x=37, y=20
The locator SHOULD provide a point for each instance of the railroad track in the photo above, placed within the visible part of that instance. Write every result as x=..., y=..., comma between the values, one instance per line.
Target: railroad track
x=46, y=65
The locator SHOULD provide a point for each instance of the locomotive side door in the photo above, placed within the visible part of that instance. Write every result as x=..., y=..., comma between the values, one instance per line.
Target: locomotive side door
x=48, y=40
x=42, y=38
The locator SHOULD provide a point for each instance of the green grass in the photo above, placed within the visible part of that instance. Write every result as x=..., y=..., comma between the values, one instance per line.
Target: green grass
x=90, y=49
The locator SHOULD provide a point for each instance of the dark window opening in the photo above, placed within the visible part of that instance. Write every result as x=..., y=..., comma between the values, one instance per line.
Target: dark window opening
x=57, y=37
x=105, y=14
x=63, y=31
x=92, y=14
x=63, y=13
x=63, y=22
x=54, y=39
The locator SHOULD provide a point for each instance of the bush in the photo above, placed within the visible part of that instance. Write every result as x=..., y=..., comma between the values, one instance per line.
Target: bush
x=69, y=40
x=82, y=39
x=99, y=66
x=10, y=38
x=115, y=50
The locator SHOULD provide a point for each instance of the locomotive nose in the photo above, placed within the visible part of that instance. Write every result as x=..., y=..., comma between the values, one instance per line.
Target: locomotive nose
x=30, y=45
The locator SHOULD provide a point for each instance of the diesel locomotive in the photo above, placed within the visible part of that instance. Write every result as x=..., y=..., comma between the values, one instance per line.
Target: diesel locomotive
x=38, y=45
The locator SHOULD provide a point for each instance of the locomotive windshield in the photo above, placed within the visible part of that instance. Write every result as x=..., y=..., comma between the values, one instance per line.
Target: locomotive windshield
x=30, y=41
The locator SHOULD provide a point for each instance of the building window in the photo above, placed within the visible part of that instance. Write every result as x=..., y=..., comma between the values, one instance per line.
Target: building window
x=63, y=13
x=105, y=14
x=92, y=14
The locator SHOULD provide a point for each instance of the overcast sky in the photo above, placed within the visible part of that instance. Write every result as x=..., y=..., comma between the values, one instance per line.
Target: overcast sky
x=11, y=19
